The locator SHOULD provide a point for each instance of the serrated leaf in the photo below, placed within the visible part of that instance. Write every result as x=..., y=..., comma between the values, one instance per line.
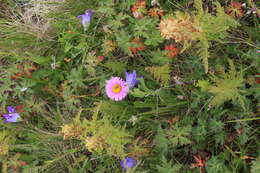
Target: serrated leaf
x=179, y=135
x=203, y=52
x=161, y=73
x=123, y=41
x=154, y=39
x=215, y=165
x=168, y=167
x=227, y=87
x=143, y=26
x=159, y=57
x=117, y=22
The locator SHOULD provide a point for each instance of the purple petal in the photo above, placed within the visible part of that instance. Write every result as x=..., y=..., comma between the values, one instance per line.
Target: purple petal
x=12, y=118
x=86, y=18
x=128, y=162
x=11, y=109
x=6, y=121
x=131, y=79
x=6, y=116
x=79, y=16
x=134, y=74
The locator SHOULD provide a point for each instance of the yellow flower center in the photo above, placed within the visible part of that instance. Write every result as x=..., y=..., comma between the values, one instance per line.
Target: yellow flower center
x=116, y=88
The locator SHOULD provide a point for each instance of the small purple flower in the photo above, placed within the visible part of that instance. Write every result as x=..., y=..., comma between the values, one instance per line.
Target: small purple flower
x=12, y=116
x=11, y=109
x=86, y=18
x=128, y=162
x=131, y=79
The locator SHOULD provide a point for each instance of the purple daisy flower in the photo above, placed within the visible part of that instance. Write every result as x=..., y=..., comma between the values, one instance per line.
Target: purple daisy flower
x=12, y=116
x=86, y=18
x=128, y=162
x=116, y=88
x=131, y=79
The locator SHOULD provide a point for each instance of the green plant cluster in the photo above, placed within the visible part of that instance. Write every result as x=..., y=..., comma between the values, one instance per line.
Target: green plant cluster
x=195, y=108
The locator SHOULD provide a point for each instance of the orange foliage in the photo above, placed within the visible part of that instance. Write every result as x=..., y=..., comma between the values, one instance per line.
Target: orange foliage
x=139, y=46
x=172, y=50
x=235, y=10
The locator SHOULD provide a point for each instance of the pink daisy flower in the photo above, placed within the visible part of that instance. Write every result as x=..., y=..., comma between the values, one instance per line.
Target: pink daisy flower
x=116, y=88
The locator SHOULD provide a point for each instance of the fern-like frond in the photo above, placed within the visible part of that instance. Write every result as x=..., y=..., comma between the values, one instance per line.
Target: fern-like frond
x=161, y=73
x=203, y=52
x=102, y=135
x=215, y=27
x=198, y=6
x=227, y=87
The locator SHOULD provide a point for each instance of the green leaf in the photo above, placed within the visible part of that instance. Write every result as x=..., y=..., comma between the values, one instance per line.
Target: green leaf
x=215, y=165
x=213, y=28
x=107, y=8
x=41, y=59
x=203, y=84
x=203, y=52
x=161, y=142
x=161, y=73
x=227, y=87
x=141, y=104
x=118, y=21
x=154, y=39
x=216, y=126
x=199, y=7
x=111, y=108
x=143, y=91
x=76, y=77
x=199, y=132
x=138, y=93
x=168, y=167
x=116, y=66
x=143, y=26
x=123, y=41
x=179, y=135
x=255, y=168
x=159, y=57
